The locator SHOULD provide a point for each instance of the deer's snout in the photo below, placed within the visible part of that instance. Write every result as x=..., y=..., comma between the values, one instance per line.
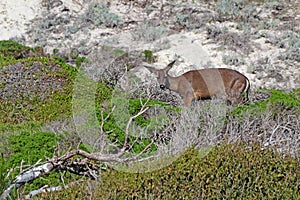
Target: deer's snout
x=163, y=87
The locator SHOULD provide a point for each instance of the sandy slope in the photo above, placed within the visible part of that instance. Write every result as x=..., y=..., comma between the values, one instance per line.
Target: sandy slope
x=15, y=15
x=193, y=48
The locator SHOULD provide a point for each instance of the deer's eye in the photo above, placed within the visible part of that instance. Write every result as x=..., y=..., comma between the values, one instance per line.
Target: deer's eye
x=162, y=87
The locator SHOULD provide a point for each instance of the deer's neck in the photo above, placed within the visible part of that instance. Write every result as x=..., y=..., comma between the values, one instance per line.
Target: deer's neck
x=172, y=83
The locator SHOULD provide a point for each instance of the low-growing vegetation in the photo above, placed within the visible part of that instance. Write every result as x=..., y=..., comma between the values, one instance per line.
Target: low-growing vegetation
x=33, y=88
x=232, y=171
x=71, y=128
x=257, y=156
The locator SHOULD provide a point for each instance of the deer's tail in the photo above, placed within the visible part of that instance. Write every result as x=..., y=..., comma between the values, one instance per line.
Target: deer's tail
x=247, y=90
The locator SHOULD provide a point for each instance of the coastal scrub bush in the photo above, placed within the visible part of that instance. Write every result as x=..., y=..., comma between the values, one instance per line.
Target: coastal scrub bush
x=239, y=43
x=285, y=100
x=276, y=101
x=99, y=14
x=33, y=87
x=237, y=10
x=231, y=171
x=190, y=18
x=11, y=51
x=233, y=59
x=148, y=32
x=144, y=127
x=271, y=122
x=25, y=150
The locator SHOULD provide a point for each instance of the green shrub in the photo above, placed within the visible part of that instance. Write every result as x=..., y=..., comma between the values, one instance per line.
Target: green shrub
x=117, y=121
x=289, y=100
x=33, y=88
x=148, y=56
x=99, y=13
x=232, y=171
x=227, y=173
x=279, y=100
x=10, y=50
x=26, y=149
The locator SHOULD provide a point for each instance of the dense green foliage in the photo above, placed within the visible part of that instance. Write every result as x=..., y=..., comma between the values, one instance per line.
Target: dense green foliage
x=232, y=171
x=278, y=100
x=3, y=171
x=37, y=89
x=116, y=121
x=26, y=149
x=33, y=88
x=11, y=50
x=286, y=100
x=36, y=146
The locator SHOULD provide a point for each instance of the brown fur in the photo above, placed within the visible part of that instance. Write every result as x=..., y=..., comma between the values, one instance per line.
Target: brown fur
x=205, y=83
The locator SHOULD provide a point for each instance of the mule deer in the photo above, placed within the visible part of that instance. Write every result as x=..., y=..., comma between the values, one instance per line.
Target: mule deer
x=205, y=84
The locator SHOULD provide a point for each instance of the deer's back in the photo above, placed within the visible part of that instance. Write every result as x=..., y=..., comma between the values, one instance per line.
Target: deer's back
x=212, y=81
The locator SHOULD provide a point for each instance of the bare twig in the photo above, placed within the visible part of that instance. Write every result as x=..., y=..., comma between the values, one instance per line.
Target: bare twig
x=142, y=110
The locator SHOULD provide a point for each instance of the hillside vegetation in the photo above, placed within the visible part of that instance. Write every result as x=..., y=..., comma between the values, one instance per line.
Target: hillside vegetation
x=141, y=143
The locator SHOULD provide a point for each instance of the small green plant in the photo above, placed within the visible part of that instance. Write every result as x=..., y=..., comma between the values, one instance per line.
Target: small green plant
x=79, y=60
x=148, y=56
x=285, y=100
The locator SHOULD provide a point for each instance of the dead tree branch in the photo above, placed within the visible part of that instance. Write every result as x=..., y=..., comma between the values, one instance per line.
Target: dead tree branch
x=81, y=166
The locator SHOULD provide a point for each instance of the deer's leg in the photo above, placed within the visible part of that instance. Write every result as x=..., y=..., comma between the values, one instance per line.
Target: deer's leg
x=234, y=97
x=237, y=99
x=229, y=96
x=188, y=98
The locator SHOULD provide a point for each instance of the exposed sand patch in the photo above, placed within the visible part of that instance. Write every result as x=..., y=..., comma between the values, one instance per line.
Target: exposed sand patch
x=15, y=16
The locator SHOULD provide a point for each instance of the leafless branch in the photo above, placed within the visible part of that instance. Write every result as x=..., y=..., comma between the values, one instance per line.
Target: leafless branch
x=142, y=110
x=80, y=166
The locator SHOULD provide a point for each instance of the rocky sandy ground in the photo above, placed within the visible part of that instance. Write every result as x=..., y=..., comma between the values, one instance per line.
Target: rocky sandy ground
x=262, y=40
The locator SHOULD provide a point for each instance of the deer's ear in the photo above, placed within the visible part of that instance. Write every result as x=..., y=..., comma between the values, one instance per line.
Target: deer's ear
x=170, y=65
x=151, y=69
